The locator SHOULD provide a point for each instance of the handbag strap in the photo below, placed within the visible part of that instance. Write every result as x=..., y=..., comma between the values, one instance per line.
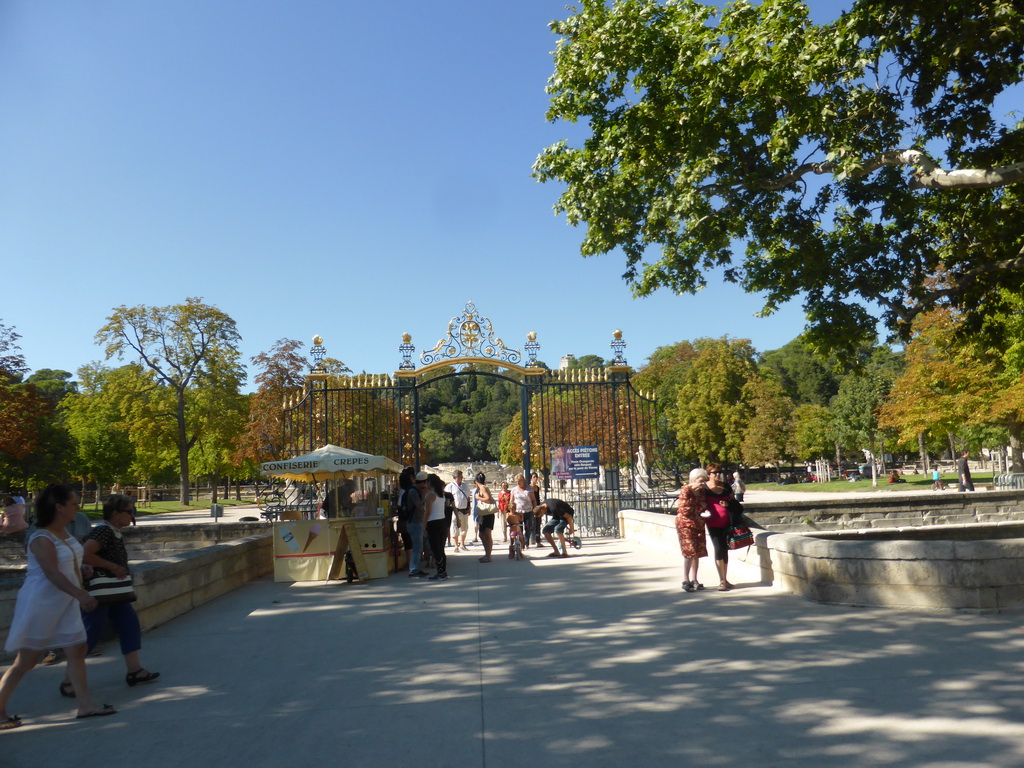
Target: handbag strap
x=74, y=556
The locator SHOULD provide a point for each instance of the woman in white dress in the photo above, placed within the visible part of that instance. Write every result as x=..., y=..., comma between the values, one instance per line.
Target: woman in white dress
x=523, y=501
x=48, y=613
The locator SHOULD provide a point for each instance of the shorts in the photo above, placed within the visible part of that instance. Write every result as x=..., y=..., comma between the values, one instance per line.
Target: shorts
x=462, y=521
x=555, y=526
x=487, y=522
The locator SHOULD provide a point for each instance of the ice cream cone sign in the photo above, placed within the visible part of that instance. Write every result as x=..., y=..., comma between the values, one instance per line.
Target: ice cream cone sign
x=314, y=531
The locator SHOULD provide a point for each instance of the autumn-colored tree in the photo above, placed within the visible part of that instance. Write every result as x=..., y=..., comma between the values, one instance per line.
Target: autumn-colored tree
x=22, y=409
x=943, y=387
x=947, y=387
x=53, y=456
x=280, y=375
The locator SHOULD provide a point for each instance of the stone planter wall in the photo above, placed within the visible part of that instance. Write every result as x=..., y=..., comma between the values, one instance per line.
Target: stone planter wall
x=179, y=567
x=975, y=567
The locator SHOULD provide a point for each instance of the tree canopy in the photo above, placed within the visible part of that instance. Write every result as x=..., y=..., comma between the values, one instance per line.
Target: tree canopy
x=190, y=351
x=861, y=165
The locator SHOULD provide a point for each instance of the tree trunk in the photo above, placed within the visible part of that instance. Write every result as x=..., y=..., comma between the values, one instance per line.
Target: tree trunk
x=182, y=449
x=839, y=460
x=874, y=465
x=922, y=451
x=952, y=447
x=1016, y=429
x=213, y=489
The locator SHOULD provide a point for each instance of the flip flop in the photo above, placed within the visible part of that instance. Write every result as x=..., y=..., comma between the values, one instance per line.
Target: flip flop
x=11, y=722
x=103, y=711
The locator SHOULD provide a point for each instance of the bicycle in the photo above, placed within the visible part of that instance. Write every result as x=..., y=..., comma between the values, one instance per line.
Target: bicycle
x=515, y=547
x=271, y=502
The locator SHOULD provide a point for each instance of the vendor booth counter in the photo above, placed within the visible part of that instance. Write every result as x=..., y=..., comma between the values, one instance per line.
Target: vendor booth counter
x=314, y=550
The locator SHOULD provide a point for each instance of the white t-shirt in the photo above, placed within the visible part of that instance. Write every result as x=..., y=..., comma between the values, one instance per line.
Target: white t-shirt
x=461, y=502
x=436, y=509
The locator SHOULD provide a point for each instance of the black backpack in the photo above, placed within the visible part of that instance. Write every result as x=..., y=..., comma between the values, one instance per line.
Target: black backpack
x=406, y=507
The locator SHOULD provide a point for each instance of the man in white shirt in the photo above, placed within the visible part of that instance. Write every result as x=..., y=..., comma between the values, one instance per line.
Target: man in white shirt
x=460, y=503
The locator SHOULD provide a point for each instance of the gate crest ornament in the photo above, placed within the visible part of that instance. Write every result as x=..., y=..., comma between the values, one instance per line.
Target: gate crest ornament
x=471, y=335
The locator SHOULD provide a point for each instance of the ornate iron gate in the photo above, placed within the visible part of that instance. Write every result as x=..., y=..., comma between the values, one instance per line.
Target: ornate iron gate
x=574, y=407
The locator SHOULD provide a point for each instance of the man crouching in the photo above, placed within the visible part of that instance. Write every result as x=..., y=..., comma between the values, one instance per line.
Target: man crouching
x=561, y=517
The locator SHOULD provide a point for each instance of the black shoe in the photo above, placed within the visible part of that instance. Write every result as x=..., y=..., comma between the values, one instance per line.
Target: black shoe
x=439, y=576
x=688, y=586
x=141, y=676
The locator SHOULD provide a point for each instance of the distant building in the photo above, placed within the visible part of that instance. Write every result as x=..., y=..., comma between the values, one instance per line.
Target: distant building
x=565, y=361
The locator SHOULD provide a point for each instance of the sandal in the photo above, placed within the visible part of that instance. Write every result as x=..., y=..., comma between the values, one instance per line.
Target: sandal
x=67, y=690
x=103, y=711
x=140, y=676
x=11, y=722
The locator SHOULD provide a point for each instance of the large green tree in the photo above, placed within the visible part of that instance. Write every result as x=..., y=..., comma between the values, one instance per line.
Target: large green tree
x=186, y=348
x=104, y=451
x=855, y=408
x=715, y=402
x=843, y=164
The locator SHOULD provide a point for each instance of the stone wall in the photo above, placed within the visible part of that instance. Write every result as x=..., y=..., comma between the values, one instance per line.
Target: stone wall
x=887, y=511
x=975, y=568
x=180, y=567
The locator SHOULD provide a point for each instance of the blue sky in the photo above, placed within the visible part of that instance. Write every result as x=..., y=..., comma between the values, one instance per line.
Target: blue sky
x=311, y=166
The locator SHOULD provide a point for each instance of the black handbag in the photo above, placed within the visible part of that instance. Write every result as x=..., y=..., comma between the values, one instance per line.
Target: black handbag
x=110, y=590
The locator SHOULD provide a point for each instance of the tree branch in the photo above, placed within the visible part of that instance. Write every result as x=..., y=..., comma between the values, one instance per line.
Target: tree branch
x=927, y=173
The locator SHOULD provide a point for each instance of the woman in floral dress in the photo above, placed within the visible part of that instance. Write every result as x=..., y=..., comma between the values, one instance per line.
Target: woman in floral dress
x=690, y=527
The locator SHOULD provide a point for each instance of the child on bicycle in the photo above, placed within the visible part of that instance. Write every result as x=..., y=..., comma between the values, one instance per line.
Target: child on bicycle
x=514, y=521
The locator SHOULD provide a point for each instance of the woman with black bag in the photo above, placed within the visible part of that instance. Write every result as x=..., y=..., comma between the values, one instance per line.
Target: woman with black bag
x=105, y=552
x=718, y=520
x=48, y=611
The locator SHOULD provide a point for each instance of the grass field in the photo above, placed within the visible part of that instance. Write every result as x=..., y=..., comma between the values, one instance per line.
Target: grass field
x=914, y=482
x=169, y=506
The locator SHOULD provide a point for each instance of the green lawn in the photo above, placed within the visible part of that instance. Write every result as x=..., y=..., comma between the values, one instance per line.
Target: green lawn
x=914, y=482
x=170, y=506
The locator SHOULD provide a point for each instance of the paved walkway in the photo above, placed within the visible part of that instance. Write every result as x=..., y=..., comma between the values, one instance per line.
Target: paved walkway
x=599, y=660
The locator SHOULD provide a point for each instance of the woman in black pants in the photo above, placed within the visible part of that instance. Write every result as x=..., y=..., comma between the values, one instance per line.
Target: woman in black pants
x=717, y=519
x=437, y=525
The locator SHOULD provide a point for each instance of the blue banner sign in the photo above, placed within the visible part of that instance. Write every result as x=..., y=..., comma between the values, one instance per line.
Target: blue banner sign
x=575, y=462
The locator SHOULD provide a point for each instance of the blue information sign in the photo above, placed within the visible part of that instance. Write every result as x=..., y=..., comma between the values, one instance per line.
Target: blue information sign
x=575, y=462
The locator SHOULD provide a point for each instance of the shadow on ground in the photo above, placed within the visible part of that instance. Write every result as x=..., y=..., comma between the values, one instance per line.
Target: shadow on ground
x=598, y=660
